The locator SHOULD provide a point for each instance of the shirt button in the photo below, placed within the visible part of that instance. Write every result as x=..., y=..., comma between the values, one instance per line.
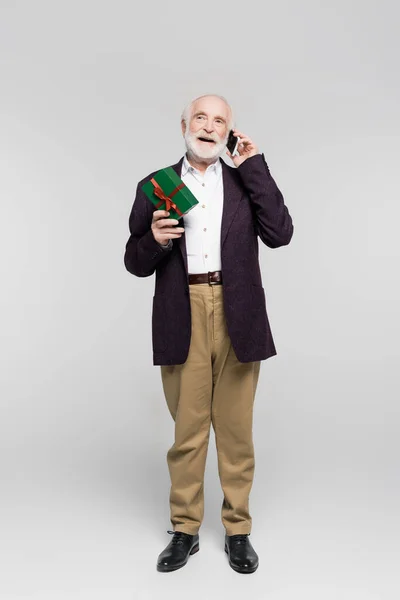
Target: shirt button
x=203, y=184
x=203, y=205
x=205, y=229
x=206, y=255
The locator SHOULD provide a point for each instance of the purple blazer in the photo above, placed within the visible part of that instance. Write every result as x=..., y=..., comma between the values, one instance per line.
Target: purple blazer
x=253, y=207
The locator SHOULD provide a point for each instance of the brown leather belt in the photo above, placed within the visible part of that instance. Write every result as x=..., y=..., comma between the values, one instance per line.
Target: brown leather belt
x=212, y=278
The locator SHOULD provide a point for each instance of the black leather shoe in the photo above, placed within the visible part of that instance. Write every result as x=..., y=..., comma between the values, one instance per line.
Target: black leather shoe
x=242, y=556
x=177, y=553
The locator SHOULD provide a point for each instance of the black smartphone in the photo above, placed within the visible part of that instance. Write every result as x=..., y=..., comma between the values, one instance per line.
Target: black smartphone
x=232, y=143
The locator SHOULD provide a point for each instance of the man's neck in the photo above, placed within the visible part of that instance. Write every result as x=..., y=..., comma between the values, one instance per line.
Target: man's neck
x=200, y=163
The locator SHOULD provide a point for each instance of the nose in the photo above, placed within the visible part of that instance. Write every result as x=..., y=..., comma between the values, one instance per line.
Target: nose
x=208, y=127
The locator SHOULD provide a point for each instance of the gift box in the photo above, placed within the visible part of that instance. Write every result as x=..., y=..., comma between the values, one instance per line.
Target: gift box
x=167, y=191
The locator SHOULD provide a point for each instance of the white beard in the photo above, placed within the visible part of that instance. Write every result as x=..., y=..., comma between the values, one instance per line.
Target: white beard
x=195, y=148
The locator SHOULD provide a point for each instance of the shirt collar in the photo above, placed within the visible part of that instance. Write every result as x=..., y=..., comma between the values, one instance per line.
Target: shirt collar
x=186, y=166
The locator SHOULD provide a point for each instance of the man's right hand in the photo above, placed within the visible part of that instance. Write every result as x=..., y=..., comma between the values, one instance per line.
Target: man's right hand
x=163, y=229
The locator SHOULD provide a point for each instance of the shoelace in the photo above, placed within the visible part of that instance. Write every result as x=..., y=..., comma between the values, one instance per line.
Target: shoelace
x=239, y=538
x=178, y=538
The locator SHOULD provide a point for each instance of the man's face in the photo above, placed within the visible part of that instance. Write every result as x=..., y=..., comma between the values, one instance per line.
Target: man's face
x=207, y=131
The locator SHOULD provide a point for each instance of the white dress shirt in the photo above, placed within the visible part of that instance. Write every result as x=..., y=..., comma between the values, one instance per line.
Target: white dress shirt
x=203, y=222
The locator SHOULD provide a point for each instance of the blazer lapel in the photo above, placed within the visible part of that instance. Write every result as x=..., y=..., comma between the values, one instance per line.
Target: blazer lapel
x=232, y=196
x=182, y=242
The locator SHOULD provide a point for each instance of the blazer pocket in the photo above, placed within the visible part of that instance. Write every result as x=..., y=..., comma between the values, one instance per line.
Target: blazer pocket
x=159, y=319
x=258, y=327
x=258, y=297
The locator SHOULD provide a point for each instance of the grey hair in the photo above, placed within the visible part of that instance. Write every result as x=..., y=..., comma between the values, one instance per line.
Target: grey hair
x=187, y=111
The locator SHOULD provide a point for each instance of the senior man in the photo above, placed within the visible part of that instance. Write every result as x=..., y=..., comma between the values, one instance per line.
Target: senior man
x=210, y=328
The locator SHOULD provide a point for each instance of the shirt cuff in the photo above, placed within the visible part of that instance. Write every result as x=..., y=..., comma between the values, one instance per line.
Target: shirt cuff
x=167, y=246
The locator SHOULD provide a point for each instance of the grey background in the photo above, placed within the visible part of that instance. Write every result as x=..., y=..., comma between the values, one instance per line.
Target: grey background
x=91, y=95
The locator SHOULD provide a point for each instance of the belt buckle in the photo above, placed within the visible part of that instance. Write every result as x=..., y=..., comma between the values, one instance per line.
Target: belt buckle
x=209, y=279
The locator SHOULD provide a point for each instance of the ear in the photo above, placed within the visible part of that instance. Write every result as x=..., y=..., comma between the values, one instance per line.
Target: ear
x=183, y=126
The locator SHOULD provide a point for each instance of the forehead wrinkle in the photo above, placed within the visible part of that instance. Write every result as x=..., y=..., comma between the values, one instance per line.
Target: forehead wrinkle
x=203, y=112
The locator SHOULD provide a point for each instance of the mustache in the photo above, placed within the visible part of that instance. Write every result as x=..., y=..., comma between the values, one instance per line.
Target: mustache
x=208, y=136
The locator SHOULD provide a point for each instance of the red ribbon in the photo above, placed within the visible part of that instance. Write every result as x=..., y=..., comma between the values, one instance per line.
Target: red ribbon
x=167, y=199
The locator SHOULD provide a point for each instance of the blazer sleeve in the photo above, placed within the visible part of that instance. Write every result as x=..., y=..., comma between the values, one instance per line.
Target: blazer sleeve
x=142, y=251
x=273, y=222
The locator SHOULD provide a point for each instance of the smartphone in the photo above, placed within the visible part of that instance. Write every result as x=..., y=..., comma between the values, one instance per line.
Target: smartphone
x=232, y=143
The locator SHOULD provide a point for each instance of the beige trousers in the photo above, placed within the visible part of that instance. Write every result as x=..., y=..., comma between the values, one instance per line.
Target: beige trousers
x=212, y=386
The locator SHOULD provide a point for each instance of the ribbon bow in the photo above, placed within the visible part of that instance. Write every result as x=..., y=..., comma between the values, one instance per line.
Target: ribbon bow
x=167, y=199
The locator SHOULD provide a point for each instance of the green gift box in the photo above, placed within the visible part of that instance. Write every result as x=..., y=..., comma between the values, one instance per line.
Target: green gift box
x=167, y=191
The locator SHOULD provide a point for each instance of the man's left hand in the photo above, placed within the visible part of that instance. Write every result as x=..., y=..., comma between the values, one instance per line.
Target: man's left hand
x=246, y=148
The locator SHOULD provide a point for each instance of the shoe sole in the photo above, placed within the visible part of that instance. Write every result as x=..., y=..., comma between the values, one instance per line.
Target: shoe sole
x=238, y=569
x=164, y=569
